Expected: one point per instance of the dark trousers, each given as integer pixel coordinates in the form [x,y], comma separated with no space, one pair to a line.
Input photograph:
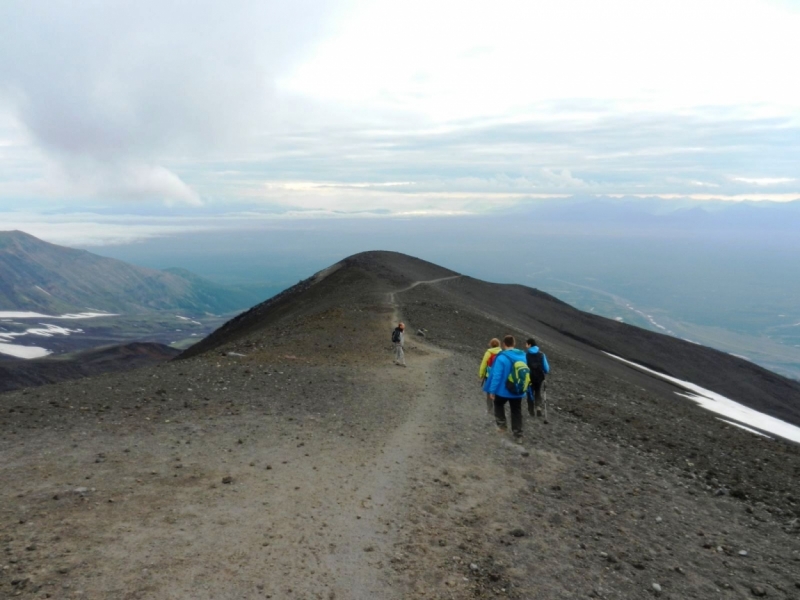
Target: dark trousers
[534,395]
[516,413]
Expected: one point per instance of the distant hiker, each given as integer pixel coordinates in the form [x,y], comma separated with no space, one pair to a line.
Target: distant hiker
[397,340]
[508,382]
[537,363]
[486,367]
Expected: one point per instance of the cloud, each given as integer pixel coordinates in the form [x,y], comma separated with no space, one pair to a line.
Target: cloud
[91,229]
[372,107]
[763,181]
[122,87]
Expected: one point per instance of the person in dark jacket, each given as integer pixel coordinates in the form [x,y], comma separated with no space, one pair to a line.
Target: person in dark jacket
[398,337]
[496,387]
[537,363]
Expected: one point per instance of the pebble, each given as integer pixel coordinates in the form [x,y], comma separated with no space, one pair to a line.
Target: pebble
[742,552]
[758,591]
[659,519]
[518,532]
[656,588]
[473,567]
[227,479]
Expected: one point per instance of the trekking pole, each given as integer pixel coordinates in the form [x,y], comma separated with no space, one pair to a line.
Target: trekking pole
[544,400]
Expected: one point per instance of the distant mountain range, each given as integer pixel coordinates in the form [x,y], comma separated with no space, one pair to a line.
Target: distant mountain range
[42,277]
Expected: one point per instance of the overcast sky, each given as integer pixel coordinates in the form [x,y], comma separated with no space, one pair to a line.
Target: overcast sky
[190,112]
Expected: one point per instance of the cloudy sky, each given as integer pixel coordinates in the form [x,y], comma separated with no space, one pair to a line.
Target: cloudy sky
[173,115]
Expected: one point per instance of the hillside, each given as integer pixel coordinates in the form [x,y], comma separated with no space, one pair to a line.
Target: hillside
[287,457]
[42,277]
[523,309]
[17,374]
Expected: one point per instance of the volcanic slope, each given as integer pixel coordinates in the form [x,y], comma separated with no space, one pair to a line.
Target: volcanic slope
[17,374]
[288,458]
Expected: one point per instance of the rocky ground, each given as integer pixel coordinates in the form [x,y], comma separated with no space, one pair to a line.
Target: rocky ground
[295,461]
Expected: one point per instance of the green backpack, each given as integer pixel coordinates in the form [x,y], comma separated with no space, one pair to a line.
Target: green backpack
[519,380]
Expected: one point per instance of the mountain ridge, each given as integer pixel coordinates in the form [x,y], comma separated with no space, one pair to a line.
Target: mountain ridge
[38,276]
[530,310]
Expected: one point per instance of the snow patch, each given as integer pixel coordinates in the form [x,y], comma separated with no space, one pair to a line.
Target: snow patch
[33,315]
[43,290]
[47,330]
[724,406]
[23,351]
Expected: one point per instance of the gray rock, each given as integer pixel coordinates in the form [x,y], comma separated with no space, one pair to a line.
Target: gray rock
[656,588]
[758,591]
[518,532]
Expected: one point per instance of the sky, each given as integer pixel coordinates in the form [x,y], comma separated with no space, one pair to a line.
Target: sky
[127,120]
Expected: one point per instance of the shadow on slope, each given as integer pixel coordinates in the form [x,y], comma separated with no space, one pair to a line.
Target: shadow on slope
[17,374]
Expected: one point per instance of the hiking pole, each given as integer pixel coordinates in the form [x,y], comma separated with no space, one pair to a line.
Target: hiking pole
[544,400]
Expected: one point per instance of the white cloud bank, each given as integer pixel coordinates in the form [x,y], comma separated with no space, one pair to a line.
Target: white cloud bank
[207,104]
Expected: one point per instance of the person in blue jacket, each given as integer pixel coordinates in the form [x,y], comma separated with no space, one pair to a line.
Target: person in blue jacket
[496,387]
[537,363]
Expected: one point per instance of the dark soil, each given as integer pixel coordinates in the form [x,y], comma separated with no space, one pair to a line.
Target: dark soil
[18,374]
[293,460]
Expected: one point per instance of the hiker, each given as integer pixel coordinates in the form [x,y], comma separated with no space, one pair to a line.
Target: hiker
[508,382]
[486,367]
[537,363]
[397,340]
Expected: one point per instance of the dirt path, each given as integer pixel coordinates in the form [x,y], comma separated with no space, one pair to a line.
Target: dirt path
[392,297]
[384,486]
[199,485]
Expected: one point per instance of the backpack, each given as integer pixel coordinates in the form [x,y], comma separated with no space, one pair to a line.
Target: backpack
[519,380]
[536,365]
[396,336]
[489,363]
